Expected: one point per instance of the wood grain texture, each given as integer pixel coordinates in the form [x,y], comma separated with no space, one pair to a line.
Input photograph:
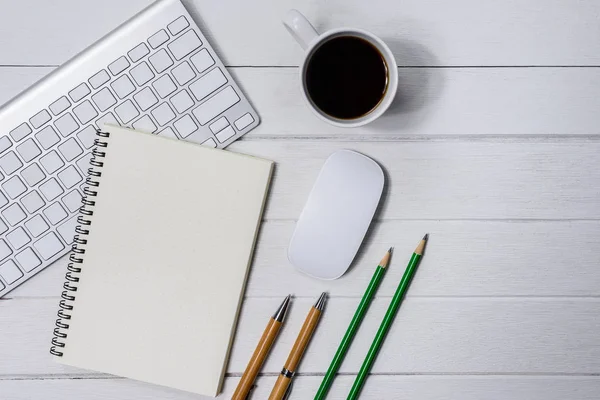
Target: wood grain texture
[467,258]
[429,336]
[449,180]
[420,32]
[430,102]
[377,387]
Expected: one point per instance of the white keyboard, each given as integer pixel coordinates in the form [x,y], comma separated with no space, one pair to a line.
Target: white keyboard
[155,73]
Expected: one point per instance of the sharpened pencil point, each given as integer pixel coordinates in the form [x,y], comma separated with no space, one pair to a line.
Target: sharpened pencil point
[391,250]
[426,236]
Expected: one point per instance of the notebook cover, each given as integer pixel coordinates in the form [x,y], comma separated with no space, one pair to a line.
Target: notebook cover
[166,260]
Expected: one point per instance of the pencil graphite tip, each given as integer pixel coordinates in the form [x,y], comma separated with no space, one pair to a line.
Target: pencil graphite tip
[320,304]
[426,237]
[279,315]
[391,250]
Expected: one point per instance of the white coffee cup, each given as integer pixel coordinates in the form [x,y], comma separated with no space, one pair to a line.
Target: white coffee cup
[310,40]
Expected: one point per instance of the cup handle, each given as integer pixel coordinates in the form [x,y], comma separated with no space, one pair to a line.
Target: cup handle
[299,27]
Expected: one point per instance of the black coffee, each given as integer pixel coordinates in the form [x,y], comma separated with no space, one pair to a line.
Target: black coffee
[346,77]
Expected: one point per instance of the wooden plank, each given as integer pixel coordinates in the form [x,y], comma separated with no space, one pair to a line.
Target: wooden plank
[449,180]
[420,32]
[443,101]
[377,387]
[464,258]
[430,336]
[430,102]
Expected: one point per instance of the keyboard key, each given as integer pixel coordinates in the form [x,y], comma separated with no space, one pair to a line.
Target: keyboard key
[67,229]
[185,44]
[104,99]
[51,162]
[70,149]
[145,124]
[118,66]
[33,174]
[160,60]
[145,98]
[72,201]
[87,136]
[185,126]
[5,251]
[123,86]
[142,74]
[168,132]
[14,187]
[69,177]
[209,143]
[32,201]
[5,144]
[48,246]
[178,25]
[85,112]
[40,119]
[28,150]
[243,121]
[66,124]
[47,137]
[216,105]
[79,92]
[20,132]
[126,111]
[182,101]
[138,52]
[55,213]
[208,84]
[51,189]
[36,226]
[28,260]
[106,119]
[202,60]
[3,200]
[18,238]
[13,214]
[3,226]
[183,73]
[225,134]
[158,38]
[10,272]
[10,163]
[219,125]
[99,79]
[60,105]
[84,163]
[164,86]
[163,114]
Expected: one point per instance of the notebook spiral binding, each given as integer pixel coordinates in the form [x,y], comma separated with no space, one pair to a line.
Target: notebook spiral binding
[79,241]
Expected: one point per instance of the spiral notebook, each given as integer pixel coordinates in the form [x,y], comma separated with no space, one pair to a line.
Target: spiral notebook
[158,269]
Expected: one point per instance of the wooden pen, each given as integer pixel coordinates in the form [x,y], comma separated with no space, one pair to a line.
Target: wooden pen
[260,353]
[284,381]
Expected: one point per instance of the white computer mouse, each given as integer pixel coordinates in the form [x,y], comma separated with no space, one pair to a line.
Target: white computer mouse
[337,215]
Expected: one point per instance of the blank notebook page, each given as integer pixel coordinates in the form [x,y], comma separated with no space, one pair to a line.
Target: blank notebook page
[168,252]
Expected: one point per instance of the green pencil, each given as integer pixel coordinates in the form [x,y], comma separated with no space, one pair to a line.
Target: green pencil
[387,320]
[353,327]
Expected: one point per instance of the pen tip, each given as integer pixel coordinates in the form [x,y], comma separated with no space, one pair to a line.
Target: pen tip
[281,311]
[320,304]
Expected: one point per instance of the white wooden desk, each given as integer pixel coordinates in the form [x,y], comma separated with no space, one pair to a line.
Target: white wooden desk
[492,147]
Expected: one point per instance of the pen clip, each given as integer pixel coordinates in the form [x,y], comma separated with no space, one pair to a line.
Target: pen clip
[288,391]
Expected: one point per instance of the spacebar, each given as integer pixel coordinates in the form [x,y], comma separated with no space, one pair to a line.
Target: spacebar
[216,105]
